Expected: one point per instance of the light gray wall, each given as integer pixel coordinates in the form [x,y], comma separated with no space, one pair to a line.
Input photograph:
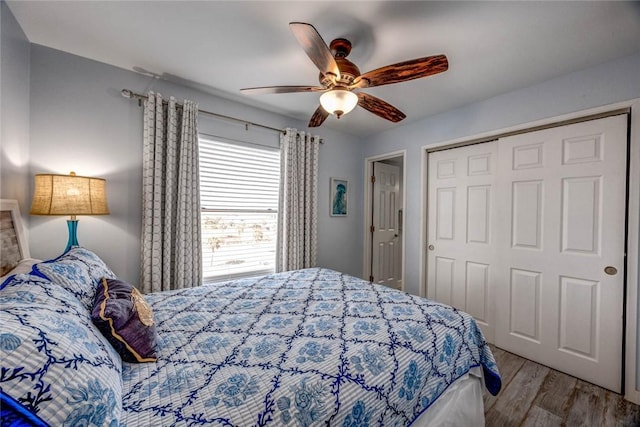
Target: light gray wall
[14,111]
[81,123]
[605,84]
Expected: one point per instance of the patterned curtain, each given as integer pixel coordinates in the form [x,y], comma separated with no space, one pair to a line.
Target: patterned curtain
[297,209]
[171,240]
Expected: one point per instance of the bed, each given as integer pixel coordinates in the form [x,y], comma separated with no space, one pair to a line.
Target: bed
[300,348]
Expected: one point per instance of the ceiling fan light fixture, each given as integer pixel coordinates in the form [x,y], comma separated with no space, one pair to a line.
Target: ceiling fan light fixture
[338,101]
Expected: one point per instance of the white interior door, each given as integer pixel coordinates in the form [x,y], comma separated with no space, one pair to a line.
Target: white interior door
[563,207]
[386,250]
[461,247]
[548,284]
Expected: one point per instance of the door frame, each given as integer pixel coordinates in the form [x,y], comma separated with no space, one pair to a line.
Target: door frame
[368,206]
[631,321]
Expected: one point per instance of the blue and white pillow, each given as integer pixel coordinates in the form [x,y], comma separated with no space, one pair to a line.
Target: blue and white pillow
[79,271]
[55,363]
[28,289]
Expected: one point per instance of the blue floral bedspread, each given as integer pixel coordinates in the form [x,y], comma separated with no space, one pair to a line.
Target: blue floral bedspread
[307,347]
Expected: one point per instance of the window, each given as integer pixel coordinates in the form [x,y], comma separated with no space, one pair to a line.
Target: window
[239,186]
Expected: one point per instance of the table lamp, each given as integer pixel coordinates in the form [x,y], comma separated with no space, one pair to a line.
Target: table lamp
[69,195]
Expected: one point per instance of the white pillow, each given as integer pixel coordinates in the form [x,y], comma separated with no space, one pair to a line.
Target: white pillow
[24,266]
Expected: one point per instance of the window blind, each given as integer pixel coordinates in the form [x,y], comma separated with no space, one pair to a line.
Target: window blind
[239,186]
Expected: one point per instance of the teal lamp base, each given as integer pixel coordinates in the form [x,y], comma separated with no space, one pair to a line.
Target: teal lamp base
[72,225]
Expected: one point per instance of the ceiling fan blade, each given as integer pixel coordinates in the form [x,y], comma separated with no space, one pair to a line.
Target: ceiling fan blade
[380,108]
[319,116]
[315,47]
[281,89]
[403,71]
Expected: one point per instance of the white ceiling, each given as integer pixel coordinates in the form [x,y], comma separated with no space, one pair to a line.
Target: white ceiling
[220,47]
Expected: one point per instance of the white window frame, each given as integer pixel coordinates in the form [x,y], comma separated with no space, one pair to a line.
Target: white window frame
[272,210]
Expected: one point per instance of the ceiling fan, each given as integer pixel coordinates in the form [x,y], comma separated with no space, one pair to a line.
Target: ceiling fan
[339,77]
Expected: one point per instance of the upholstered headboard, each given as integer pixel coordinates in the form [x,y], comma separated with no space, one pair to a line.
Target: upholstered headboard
[13,242]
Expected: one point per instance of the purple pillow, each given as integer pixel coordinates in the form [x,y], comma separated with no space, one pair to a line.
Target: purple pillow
[126,320]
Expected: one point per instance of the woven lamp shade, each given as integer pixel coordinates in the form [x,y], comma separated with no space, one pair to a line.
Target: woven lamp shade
[69,195]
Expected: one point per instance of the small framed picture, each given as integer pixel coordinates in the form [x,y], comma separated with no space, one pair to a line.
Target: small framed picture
[339,193]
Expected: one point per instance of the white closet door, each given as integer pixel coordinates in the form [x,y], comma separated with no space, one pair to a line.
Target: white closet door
[527,235]
[559,299]
[461,229]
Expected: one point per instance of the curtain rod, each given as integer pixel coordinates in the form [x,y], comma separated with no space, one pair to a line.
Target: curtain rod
[131,94]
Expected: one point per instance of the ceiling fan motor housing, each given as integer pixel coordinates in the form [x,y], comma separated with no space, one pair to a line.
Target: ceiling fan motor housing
[340,48]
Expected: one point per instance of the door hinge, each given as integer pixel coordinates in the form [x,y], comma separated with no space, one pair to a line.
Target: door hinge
[372,229]
[371,278]
[373,178]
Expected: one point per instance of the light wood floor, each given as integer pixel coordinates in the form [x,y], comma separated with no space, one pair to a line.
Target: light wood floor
[534,395]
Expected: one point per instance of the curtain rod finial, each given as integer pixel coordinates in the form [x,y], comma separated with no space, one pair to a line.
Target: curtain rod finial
[126,93]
